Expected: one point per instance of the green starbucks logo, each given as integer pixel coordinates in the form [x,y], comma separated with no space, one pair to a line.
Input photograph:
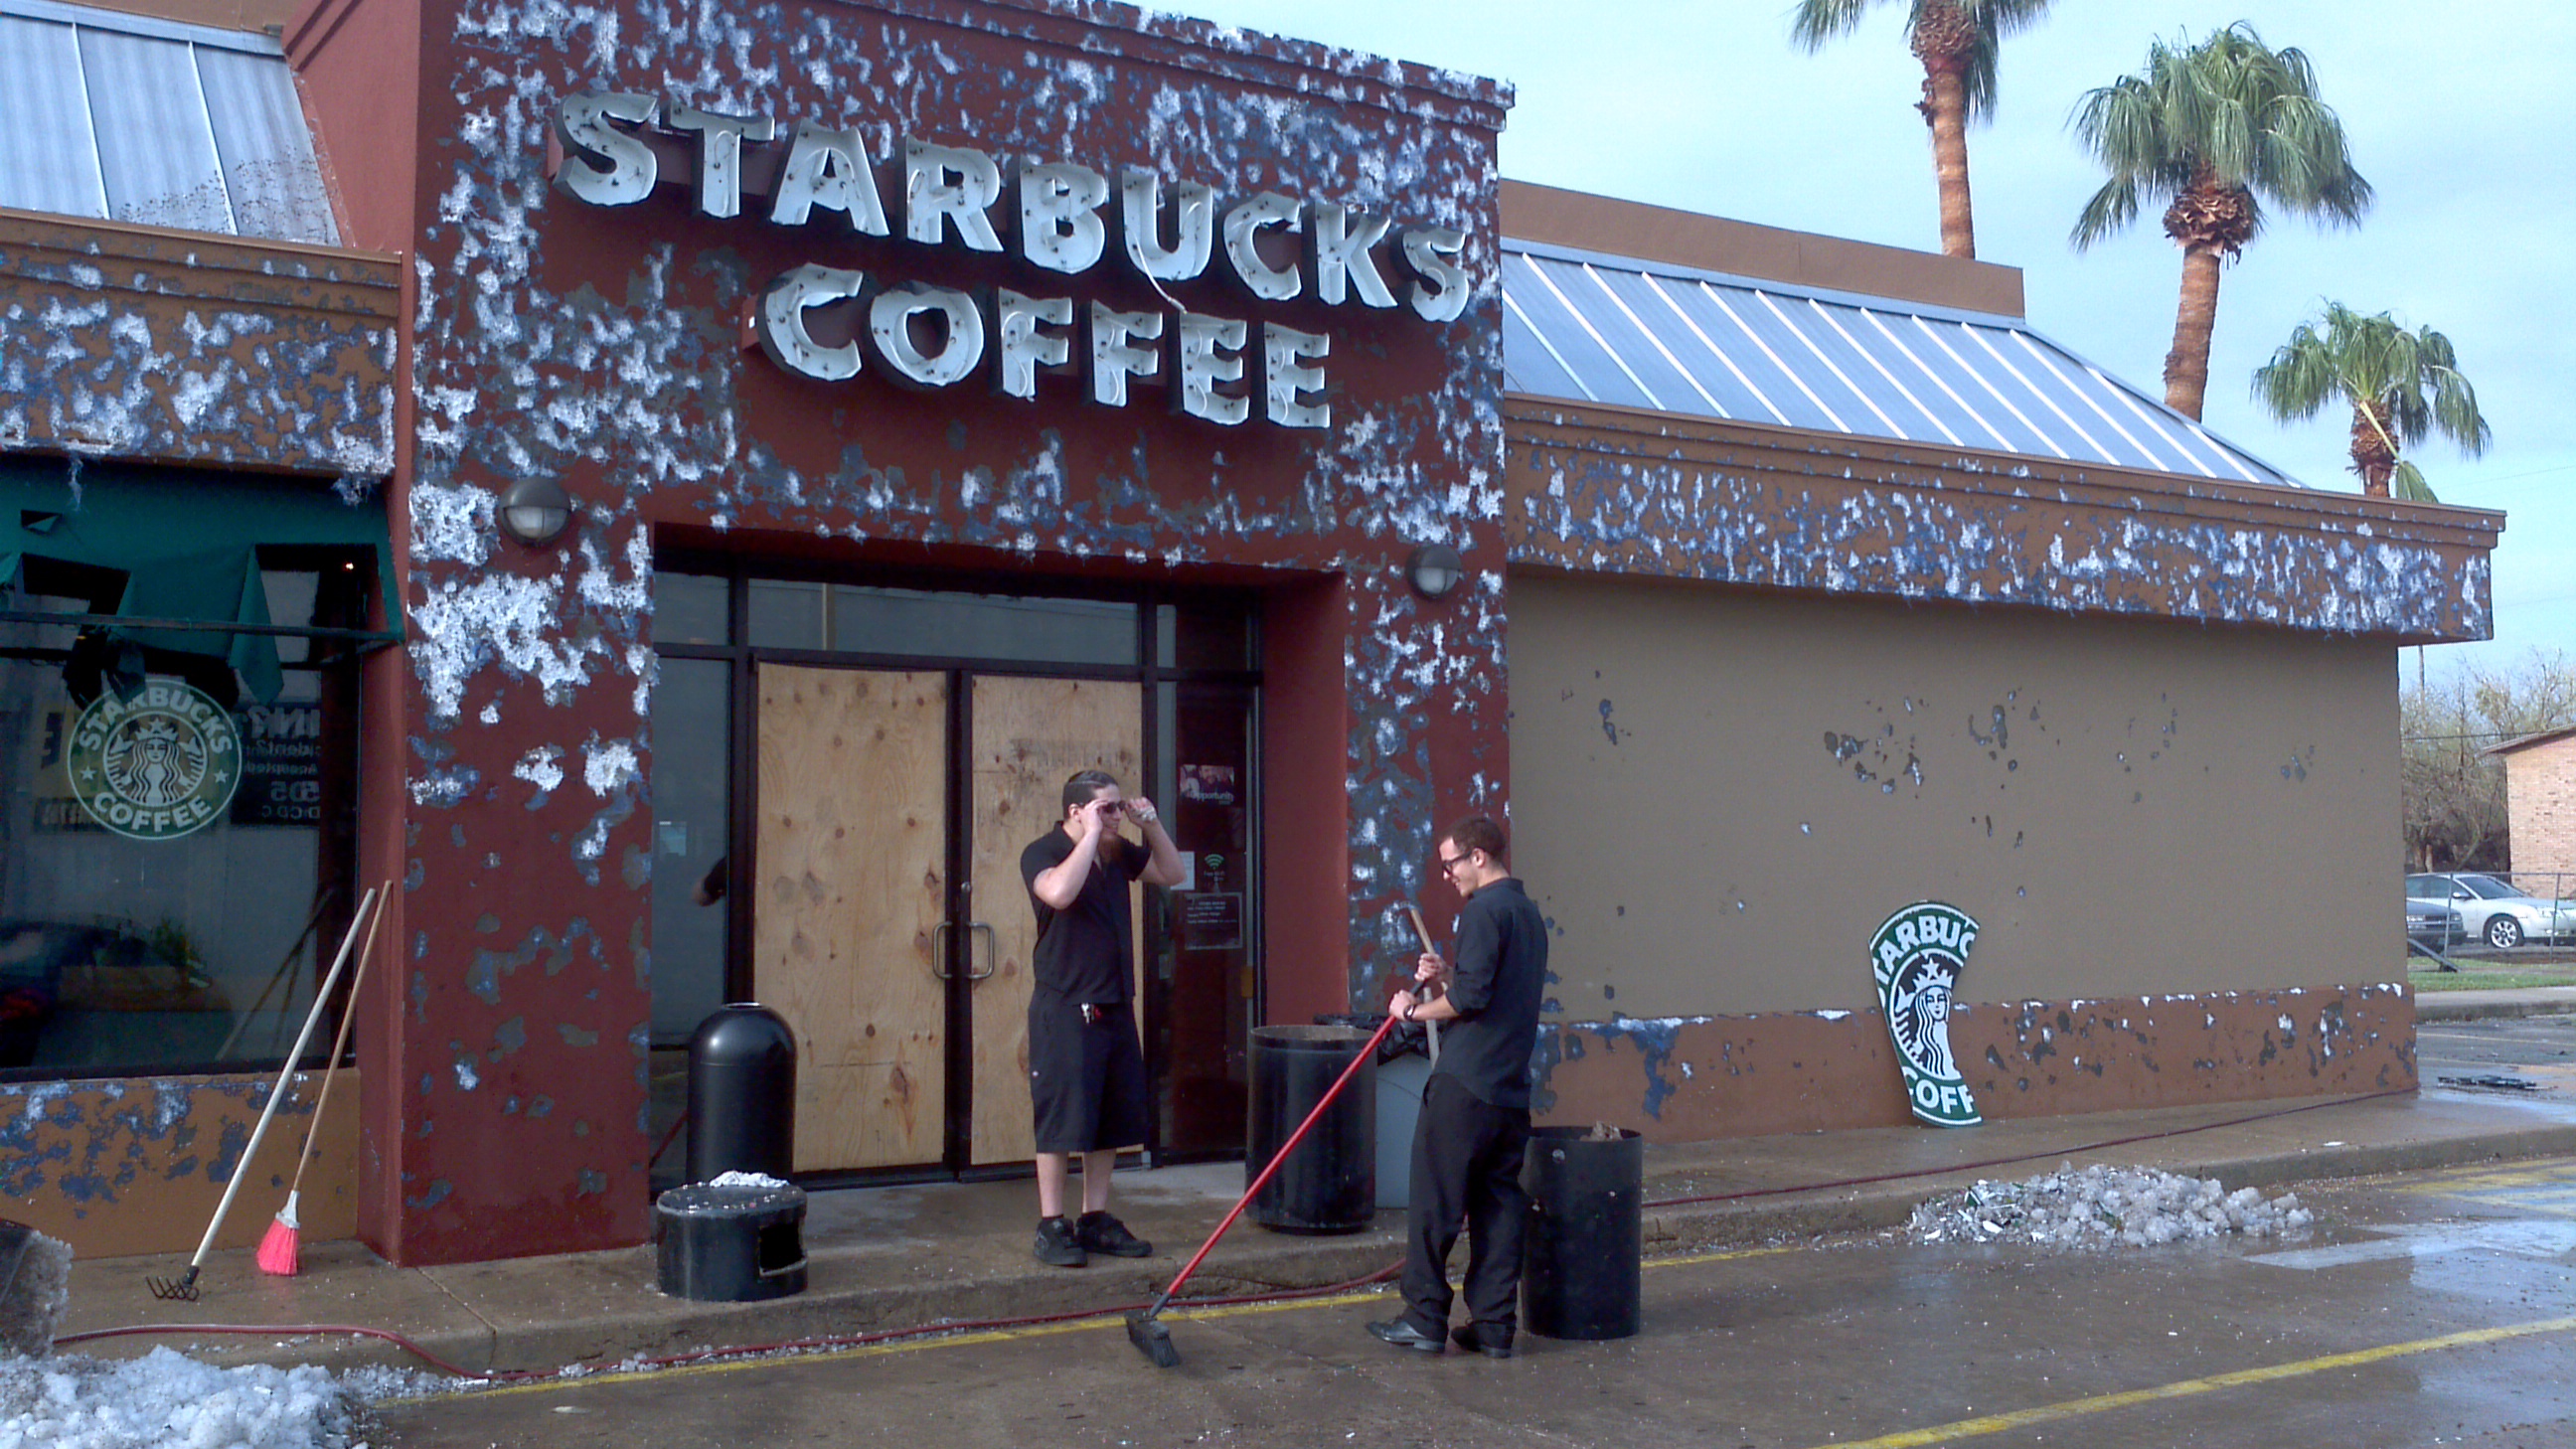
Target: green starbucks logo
[1917,957]
[156,764]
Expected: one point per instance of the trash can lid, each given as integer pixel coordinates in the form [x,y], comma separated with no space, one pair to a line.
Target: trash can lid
[735,1192]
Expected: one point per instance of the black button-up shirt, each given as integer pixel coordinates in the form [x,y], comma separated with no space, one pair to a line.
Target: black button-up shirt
[1501,973]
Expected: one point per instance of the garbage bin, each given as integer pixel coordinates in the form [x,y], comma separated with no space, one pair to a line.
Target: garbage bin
[731,1242]
[1581,1255]
[1329,1184]
[1403,1071]
[742,1093]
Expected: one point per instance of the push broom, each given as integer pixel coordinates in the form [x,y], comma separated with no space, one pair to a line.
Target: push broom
[281,1252]
[1145,1328]
[185,1288]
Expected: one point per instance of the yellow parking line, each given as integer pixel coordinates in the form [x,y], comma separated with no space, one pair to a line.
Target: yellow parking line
[2101,1403]
[992,1335]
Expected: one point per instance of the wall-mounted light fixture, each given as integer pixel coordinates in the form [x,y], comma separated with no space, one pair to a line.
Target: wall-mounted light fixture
[1435,569]
[535,511]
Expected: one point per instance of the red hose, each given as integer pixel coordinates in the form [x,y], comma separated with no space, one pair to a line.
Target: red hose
[859,1340]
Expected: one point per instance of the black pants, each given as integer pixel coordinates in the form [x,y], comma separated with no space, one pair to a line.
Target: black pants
[1466,1171]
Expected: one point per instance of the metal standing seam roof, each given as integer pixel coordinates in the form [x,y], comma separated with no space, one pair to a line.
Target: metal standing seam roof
[128,118]
[1586,327]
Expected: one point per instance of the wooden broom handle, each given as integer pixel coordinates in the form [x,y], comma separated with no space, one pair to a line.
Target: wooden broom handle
[340,1040]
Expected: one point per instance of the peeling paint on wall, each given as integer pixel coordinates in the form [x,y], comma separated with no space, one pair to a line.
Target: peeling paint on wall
[1692,1078]
[170,347]
[1596,491]
[136,1166]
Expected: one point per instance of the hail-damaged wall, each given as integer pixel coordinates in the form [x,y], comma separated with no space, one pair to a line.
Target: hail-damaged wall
[1732,764]
[605,349]
[143,343]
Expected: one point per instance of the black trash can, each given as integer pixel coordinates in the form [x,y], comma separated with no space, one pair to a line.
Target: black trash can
[728,1243]
[1329,1184]
[1582,1254]
[742,1093]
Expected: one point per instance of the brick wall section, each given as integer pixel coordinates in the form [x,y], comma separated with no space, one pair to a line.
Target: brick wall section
[2540,788]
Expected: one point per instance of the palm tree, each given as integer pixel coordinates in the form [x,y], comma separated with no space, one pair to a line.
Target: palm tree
[2402,385]
[2209,128]
[1956,40]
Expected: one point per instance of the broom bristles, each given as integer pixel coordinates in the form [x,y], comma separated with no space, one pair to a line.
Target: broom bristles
[278,1252]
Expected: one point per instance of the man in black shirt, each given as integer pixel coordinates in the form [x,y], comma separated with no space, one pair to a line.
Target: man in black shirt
[1086,1072]
[1475,1120]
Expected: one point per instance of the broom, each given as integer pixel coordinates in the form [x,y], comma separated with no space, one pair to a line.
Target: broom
[184,1289]
[281,1251]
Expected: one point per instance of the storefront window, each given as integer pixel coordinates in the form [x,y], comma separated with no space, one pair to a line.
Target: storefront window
[174,846]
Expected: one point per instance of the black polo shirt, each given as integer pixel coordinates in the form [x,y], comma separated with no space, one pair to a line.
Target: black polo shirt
[1087,951]
[1501,959]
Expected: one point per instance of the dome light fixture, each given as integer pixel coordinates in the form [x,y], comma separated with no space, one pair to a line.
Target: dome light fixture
[1434,570]
[535,511]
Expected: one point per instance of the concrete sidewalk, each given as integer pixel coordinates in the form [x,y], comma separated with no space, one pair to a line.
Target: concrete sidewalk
[897,1258]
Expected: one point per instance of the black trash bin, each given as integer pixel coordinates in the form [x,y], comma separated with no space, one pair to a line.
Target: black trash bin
[1329,1184]
[1581,1256]
[731,1243]
[742,1093]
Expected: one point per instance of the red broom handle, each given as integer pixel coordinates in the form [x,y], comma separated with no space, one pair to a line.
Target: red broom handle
[1272,1170]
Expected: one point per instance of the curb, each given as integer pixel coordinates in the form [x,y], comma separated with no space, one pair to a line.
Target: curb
[2433,1008]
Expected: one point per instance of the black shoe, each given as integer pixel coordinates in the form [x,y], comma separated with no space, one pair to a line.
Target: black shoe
[1059,1244]
[1491,1343]
[1100,1233]
[1397,1333]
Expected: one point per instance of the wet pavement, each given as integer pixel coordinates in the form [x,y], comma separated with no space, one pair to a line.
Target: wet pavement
[2427,1308]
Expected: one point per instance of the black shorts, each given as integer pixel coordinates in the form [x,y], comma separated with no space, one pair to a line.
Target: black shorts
[1086,1080]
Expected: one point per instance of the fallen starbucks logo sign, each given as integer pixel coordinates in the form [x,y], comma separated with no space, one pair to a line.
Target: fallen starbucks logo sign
[1917,957]
[156,764]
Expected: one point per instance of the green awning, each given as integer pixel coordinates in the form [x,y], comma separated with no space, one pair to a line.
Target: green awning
[187,542]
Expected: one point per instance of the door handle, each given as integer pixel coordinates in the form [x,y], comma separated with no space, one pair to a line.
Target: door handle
[939,952]
[992,951]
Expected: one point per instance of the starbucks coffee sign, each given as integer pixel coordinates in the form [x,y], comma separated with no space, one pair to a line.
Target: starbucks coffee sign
[1917,957]
[156,764]
[1056,221]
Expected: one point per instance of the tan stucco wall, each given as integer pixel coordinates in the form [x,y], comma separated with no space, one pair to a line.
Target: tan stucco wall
[1718,795]
[2540,791]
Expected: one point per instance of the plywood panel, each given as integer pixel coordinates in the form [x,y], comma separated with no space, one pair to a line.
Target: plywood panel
[1029,735]
[849,897]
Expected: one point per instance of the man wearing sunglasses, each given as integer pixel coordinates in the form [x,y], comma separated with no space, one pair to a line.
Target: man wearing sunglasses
[1475,1118]
[1087,1086]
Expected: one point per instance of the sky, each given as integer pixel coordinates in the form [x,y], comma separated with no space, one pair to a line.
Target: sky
[2461,116]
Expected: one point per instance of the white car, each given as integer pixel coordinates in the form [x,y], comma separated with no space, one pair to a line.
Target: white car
[2495,912]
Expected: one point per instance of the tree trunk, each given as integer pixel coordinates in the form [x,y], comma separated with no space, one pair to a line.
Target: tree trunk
[1949,117]
[2187,365]
[2373,457]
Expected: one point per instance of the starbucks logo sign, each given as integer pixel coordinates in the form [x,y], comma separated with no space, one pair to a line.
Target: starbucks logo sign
[1917,957]
[156,764]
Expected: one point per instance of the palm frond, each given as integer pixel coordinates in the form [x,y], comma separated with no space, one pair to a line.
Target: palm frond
[2408,483]
[1815,22]
[2112,207]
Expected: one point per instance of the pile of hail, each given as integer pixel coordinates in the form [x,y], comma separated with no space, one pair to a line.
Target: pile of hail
[2103,1207]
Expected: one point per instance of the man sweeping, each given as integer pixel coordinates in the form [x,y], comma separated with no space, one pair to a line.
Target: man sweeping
[1087,1087]
[1475,1119]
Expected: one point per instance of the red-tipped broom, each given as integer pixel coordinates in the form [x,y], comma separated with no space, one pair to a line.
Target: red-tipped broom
[281,1252]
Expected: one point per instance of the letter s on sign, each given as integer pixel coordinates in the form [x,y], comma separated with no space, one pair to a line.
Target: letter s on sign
[601,164]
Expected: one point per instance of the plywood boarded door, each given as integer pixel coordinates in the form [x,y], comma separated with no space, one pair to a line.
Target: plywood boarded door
[1030,734]
[850,894]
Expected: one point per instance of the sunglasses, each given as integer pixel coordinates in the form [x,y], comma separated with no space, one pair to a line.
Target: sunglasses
[1449,863]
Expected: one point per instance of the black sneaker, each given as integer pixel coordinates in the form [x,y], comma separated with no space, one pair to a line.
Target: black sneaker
[1059,1245]
[1102,1233]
